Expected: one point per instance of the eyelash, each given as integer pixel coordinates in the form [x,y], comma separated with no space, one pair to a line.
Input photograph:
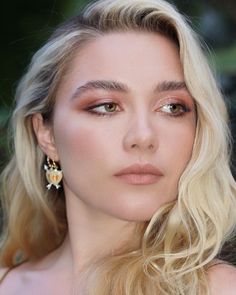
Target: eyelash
[184,109]
[91,109]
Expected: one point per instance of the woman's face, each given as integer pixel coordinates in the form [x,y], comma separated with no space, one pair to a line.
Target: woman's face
[122,102]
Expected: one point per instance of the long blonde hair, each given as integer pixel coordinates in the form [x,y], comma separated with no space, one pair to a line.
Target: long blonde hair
[183,237]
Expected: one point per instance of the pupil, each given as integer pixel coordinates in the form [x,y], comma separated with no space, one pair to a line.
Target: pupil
[110,107]
[174,108]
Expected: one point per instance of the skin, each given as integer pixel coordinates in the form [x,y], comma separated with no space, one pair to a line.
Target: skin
[100,146]
[149,124]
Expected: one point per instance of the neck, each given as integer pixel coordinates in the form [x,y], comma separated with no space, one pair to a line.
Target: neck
[93,235]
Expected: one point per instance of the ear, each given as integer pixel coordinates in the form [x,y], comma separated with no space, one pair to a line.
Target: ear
[44,134]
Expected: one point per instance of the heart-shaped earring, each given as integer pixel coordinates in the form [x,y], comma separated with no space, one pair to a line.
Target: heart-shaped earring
[53,175]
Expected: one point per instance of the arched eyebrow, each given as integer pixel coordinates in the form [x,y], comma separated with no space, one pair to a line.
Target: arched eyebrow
[110,85]
[170,86]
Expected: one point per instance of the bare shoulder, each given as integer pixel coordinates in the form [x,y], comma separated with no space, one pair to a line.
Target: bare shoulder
[35,278]
[222,279]
[10,280]
[23,278]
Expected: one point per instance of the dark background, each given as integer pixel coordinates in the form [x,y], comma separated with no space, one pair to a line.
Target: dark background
[25,25]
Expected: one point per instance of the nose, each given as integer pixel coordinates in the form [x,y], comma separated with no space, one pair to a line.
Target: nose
[141,136]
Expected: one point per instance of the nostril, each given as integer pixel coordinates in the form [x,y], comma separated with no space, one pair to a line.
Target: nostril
[151,146]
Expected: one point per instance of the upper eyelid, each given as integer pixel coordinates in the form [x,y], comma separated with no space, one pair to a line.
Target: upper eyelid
[184,99]
[102,104]
[92,107]
[116,87]
[174,102]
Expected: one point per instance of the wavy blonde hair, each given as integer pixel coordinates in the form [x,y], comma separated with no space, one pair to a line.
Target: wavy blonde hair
[182,238]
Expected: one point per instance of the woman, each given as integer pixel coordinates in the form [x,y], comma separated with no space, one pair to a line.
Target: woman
[120,179]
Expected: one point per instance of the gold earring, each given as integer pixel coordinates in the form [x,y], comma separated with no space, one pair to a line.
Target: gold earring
[53,175]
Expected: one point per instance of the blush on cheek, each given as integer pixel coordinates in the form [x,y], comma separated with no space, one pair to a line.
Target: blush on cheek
[78,142]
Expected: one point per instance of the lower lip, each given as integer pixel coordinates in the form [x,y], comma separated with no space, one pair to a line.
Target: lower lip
[139,179]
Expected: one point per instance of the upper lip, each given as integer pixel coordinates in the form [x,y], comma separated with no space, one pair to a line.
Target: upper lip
[140,169]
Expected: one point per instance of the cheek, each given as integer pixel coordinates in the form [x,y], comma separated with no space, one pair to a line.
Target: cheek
[185,143]
[78,142]
[175,144]
[83,151]
[179,146]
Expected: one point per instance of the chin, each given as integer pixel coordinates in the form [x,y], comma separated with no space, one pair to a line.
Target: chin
[135,214]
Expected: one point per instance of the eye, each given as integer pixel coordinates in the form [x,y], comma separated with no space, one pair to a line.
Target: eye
[110,107]
[104,109]
[175,109]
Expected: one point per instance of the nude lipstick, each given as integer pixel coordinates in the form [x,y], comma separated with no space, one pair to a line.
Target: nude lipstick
[140,174]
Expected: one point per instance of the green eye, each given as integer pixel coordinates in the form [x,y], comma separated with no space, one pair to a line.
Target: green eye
[104,109]
[110,107]
[174,109]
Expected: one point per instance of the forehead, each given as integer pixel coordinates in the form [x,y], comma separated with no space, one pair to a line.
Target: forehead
[135,58]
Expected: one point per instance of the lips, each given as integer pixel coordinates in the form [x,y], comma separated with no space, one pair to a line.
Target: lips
[140,174]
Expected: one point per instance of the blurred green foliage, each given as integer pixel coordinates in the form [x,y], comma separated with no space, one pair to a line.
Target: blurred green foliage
[225,59]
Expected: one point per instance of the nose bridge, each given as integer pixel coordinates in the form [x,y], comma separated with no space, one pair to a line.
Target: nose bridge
[142,122]
[141,133]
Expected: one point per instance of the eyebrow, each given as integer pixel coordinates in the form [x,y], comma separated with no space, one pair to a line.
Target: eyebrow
[110,85]
[170,86]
